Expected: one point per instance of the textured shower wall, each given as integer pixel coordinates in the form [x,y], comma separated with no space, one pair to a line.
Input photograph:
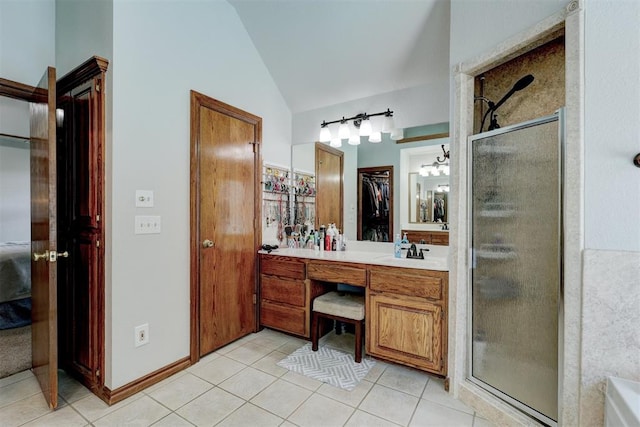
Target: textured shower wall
[541,98]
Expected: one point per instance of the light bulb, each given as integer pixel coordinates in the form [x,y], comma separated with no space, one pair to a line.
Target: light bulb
[375,137]
[424,171]
[365,127]
[325,134]
[336,142]
[435,171]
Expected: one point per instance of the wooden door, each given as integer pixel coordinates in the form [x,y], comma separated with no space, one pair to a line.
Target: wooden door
[329,186]
[44,333]
[80,221]
[225,212]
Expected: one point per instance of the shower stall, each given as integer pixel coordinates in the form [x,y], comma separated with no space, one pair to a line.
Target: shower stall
[515,220]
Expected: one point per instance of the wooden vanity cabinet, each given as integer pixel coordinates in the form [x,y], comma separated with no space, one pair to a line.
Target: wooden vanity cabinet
[406,319]
[286,295]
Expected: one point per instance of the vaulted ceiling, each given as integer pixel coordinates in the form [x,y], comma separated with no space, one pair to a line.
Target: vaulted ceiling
[325,52]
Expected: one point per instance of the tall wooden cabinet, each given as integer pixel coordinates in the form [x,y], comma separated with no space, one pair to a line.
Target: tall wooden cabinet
[81,147]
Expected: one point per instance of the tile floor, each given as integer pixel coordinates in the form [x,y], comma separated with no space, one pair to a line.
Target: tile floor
[241,385]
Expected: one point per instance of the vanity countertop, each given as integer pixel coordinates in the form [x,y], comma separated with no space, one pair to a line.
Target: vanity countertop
[435,259]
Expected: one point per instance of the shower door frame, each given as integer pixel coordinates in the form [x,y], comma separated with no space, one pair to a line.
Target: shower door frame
[559,117]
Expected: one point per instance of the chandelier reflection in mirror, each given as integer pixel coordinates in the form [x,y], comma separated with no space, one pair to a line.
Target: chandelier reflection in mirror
[361,126]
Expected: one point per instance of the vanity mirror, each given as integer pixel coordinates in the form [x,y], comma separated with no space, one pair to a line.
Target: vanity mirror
[419,147]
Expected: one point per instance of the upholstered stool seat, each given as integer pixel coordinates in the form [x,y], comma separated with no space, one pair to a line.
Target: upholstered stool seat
[343,307]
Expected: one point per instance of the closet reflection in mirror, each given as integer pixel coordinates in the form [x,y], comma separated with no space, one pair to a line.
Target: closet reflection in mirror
[428,197]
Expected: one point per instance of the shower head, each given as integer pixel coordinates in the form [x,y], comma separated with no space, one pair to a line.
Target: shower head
[520,84]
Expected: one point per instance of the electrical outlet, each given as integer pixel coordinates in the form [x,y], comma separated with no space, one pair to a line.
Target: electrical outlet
[141,335]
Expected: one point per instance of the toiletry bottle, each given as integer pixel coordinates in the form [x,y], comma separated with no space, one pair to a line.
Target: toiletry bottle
[397,251]
[404,239]
[321,238]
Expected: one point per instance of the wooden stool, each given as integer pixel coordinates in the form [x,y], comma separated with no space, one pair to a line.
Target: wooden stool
[346,308]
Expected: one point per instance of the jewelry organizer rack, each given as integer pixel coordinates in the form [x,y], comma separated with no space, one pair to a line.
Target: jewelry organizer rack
[276,198]
[304,190]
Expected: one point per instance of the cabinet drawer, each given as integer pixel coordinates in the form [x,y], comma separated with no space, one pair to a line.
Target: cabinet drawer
[289,291]
[417,283]
[284,318]
[336,273]
[283,267]
[440,239]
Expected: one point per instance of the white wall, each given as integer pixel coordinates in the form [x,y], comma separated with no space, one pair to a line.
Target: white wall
[15,201]
[162,50]
[26,49]
[612,124]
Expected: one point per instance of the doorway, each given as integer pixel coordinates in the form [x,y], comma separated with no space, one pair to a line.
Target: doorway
[225,231]
[375,204]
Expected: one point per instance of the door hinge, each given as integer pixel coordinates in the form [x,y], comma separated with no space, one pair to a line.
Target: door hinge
[97,218]
[98,373]
[441,363]
[255,146]
[97,243]
[255,299]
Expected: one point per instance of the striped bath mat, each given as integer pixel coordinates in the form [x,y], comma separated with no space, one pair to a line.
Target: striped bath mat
[328,365]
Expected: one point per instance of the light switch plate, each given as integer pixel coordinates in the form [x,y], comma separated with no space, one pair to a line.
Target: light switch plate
[146,224]
[144,198]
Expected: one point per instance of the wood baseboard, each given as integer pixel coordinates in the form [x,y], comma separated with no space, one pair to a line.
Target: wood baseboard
[121,393]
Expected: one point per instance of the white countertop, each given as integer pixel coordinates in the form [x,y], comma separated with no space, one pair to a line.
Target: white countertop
[436,259]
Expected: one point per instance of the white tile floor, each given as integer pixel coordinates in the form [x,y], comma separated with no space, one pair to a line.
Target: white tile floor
[241,385]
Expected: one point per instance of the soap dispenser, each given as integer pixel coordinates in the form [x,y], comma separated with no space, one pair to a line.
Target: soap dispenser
[397,247]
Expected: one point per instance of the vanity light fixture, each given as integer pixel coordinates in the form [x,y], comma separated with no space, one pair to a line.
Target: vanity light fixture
[434,169]
[363,127]
[443,188]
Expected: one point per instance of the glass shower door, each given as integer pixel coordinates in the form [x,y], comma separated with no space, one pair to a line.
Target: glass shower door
[515,198]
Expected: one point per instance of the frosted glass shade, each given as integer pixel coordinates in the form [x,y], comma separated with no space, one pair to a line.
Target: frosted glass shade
[354,139]
[388,124]
[375,137]
[365,128]
[343,131]
[325,134]
[336,142]
[397,134]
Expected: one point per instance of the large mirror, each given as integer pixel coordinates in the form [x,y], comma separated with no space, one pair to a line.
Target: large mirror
[404,157]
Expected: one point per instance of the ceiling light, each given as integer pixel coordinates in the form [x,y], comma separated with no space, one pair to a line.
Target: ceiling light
[387,123]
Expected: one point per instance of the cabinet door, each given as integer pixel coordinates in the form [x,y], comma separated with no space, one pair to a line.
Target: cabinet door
[406,330]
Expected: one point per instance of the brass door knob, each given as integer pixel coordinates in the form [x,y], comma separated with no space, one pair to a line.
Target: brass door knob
[207,244]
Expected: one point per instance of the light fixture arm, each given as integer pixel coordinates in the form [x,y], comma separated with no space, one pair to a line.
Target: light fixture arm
[358,118]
